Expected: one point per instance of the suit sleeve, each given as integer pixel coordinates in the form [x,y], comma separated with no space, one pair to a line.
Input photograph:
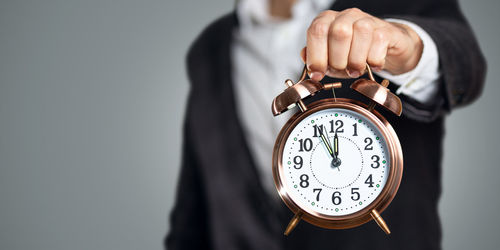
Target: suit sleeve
[188,225]
[190,218]
[461,61]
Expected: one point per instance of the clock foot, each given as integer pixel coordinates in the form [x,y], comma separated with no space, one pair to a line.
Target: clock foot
[293,223]
[380,222]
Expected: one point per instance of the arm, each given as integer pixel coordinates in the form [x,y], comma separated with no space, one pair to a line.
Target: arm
[421,83]
[461,63]
[188,220]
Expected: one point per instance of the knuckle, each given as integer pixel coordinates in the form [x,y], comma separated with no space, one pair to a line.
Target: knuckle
[341,31]
[379,35]
[327,13]
[364,25]
[353,10]
[318,29]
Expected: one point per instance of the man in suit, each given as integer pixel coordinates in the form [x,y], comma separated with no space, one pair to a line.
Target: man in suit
[225,197]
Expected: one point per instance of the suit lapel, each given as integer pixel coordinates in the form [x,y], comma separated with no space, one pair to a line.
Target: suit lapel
[238,204]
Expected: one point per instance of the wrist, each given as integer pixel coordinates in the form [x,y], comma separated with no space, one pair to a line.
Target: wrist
[409,55]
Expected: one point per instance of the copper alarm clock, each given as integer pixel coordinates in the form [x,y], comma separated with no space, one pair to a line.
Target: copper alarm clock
[337,163]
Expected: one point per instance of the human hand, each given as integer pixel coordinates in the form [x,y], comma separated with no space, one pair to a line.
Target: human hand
[339,44]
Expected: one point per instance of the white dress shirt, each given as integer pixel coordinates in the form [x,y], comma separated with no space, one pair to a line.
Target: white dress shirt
[265,52]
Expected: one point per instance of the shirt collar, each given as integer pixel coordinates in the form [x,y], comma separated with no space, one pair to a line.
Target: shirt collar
[256,12]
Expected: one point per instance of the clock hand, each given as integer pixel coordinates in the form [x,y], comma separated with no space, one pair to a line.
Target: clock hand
[336,161]
[336,144]
[326,142]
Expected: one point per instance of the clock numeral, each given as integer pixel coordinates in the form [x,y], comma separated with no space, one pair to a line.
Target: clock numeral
[304,181]
[298,162]
[336,198]
[318,130]
[355,195]
[376,160]
[368,142]
[355,125]
[319,192]
[369,181]
[306,144]
[339,124]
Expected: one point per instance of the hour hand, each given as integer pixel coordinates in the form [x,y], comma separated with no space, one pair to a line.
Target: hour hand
[326,142]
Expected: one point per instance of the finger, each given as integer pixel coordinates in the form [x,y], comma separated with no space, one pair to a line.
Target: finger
[303,55]
[336,73]
[329,71]
[317,46]
[339,38]
[360,45]
[378,49]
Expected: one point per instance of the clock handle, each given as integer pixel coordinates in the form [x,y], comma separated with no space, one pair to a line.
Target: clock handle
[380,222]
[293,223]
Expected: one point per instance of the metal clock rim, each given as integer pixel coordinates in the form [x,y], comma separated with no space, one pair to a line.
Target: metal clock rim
[383,199]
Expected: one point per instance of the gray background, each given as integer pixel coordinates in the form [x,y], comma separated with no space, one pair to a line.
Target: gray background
[92,96]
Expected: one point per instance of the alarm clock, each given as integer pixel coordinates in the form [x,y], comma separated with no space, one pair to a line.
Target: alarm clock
[337,163]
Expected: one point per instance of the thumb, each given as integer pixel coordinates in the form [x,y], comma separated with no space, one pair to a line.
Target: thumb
[303,55]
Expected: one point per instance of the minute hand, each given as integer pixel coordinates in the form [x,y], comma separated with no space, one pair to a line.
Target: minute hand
[336,145]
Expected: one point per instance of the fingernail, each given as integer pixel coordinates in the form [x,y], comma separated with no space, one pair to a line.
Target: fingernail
[316,76]
[353,74]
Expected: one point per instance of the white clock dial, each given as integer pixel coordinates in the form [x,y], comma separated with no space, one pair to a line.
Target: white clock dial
[335,162]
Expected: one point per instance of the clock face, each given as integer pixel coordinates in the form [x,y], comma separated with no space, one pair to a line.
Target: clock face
[335,162]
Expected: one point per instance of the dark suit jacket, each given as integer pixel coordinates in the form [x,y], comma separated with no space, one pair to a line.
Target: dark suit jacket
[221,203]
